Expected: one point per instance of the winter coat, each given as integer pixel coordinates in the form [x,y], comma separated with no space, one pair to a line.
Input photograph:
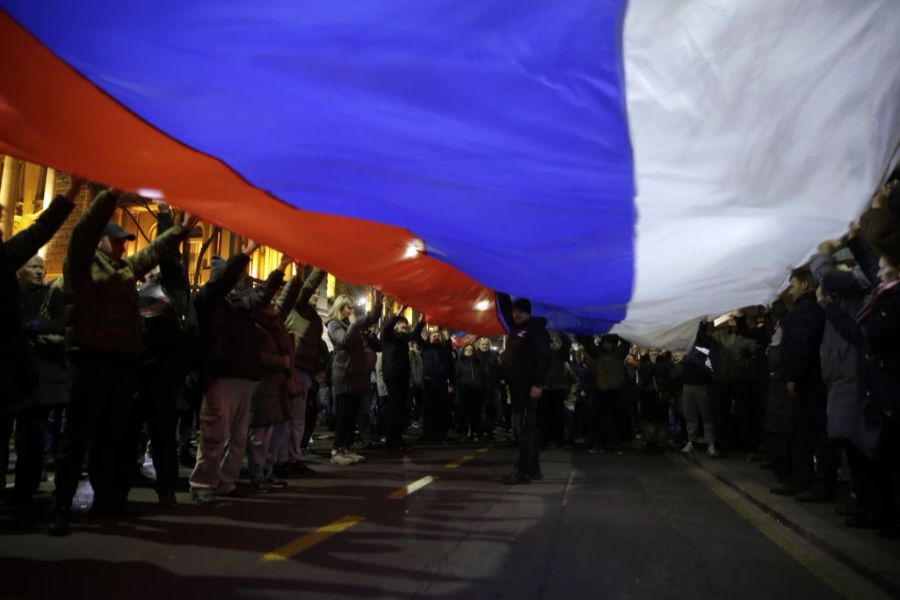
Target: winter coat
[734,356]
[271,403]
[469,372]
[526,360]
[352,361]
[801,339]
[228,341]
[302,319]
[101,300]
[878,331]
[18,371]
[437,362]
[609,367]
[841,361]
[557,379]
[780,405]
[491,365]
[416,375]
[395,350]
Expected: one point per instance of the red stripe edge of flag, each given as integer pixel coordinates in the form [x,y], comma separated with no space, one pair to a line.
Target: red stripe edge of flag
[51,115]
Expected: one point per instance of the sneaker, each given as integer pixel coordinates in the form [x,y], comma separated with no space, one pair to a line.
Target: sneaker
[343,459]
[276,483]
[58,525]
[260,486]
[234,492]
[203,497]
[711,451]
[689,448]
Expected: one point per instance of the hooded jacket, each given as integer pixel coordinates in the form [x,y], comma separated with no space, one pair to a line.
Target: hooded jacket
[395,350]
[526,359]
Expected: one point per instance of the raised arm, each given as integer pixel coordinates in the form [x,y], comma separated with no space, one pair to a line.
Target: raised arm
[224,281]
[164,245]
[88,231]
[25,244]
[171,273]
[504,305]
[287,299]
[267,291]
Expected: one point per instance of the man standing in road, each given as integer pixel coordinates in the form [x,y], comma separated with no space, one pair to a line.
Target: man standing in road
[524,365]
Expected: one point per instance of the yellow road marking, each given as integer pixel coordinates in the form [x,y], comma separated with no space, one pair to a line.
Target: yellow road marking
[806,555]
[460,462]
[311,539]
[413,487]
[484,449]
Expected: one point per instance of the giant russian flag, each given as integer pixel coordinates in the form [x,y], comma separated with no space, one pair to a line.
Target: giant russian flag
[628,166]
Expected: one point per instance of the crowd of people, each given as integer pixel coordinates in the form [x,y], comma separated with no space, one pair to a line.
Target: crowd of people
[232,378]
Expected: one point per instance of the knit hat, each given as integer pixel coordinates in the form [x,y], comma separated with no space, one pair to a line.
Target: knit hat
[522,305]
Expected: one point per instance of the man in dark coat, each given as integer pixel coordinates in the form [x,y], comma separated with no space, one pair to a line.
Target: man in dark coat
[395,339]
[815,462]
[524,365]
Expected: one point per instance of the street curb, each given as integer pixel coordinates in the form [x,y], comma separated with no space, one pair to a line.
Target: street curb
[860,569]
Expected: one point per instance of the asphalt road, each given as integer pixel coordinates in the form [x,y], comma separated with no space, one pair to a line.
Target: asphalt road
[598,526]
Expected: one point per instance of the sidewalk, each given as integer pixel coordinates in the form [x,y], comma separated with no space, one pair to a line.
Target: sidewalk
[862,550]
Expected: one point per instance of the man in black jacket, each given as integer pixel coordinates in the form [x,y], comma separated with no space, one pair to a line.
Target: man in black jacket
[815,463]
[395,339]
[229,343]
[524,365]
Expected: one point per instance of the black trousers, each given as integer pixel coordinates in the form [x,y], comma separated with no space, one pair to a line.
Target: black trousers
[31,428]
[345,420]
[435,410]
[525,408]
[397,410]
[470,406]
[814,456]
[550,417]
[100,418]
[312,412]
[158,387]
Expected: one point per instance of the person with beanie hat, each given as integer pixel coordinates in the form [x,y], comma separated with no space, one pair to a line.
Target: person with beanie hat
[524,365]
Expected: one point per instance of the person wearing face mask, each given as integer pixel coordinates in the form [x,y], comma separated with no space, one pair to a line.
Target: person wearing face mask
[103,337]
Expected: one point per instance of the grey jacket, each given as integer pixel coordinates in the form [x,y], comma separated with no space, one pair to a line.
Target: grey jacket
[841,361]
[351,371]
